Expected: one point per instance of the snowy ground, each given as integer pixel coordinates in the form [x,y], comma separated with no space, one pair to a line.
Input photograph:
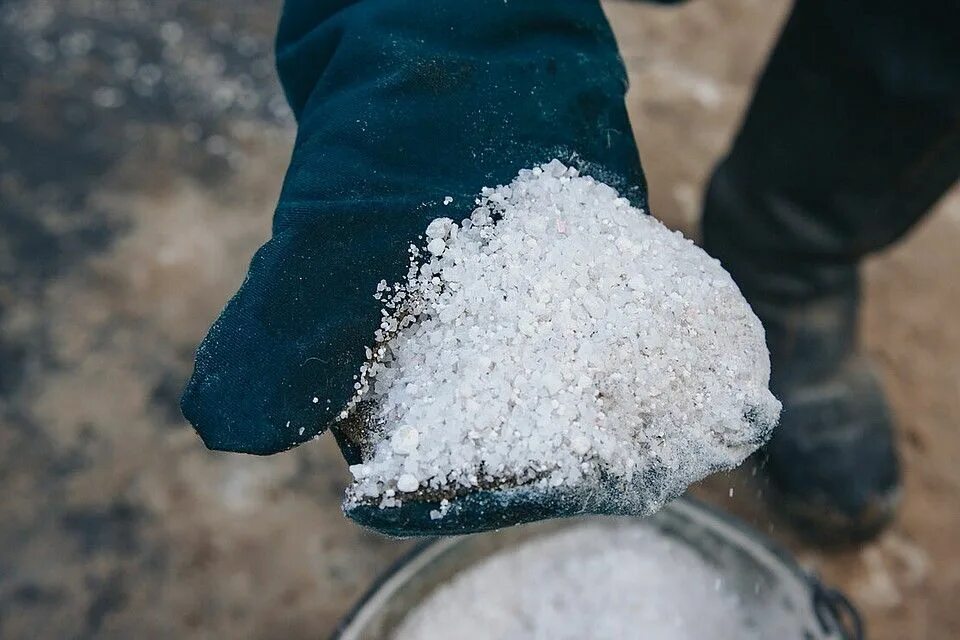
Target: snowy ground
[141,148]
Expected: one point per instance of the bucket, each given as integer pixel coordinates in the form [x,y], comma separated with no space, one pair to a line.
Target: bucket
[780,600]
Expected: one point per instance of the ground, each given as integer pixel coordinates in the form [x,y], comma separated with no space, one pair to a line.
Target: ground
[142,145]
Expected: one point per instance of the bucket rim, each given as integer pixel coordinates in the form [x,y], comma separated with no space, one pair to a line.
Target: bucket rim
[831,606]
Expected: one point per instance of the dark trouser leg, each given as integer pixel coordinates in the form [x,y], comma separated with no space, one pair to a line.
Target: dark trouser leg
[848,141]
[854,132]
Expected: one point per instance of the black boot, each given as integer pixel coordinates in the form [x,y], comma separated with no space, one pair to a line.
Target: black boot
[832,463]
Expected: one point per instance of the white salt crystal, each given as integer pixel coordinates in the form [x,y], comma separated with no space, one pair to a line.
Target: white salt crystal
[439,228]
[612,348]
[405,440]
[580,444]
[358,470]
[553,382]
[407,482]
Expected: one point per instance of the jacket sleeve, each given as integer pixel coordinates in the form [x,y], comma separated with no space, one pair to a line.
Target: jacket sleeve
[400,104]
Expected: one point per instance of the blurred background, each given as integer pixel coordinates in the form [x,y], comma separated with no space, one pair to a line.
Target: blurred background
[142,145]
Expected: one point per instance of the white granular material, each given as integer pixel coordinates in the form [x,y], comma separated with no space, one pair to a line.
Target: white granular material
[593,581]
[557,334]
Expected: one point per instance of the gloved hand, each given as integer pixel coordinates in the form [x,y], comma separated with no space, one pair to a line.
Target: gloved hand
[400,103]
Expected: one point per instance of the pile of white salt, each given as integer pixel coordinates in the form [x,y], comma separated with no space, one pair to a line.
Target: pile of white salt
[556,334]
[593,581]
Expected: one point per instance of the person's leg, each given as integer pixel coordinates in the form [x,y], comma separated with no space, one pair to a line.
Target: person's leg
[853,133]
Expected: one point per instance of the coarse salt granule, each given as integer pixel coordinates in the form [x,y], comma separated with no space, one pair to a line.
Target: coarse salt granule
[557,334]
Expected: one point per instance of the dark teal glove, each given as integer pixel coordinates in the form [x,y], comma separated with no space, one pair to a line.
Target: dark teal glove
[400,103]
